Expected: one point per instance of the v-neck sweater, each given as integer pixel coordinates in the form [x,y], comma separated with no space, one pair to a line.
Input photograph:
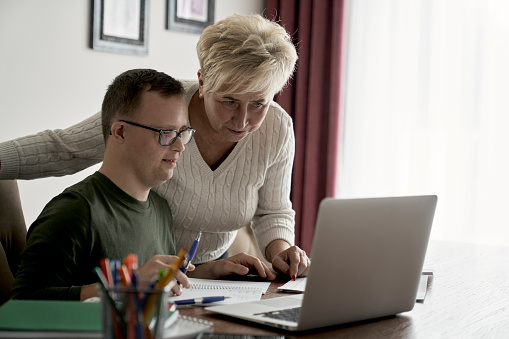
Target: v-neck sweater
[251,186]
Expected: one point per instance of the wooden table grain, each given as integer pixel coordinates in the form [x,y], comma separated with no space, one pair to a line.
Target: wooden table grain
[467,297]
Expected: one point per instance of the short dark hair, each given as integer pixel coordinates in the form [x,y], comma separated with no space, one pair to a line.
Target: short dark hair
[123,96]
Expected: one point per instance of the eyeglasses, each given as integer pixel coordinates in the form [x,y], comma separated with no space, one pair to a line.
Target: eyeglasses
[168,136]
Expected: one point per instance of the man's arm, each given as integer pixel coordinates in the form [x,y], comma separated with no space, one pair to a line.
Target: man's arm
[89,291]
[56,261]
[53,153]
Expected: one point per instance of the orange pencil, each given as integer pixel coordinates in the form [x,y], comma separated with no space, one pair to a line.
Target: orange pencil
[161,284]
[131,262]
[172,270]
[124,275]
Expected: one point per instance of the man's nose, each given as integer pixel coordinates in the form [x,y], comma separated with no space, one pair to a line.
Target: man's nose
[178,145]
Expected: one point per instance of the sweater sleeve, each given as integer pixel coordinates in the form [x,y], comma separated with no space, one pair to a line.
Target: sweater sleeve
[53,264]
[53,153]
[275,218]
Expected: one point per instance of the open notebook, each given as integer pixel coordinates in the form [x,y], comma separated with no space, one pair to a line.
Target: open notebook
[235,291]
[367,257]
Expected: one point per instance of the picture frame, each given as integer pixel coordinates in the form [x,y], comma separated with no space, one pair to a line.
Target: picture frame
[191,16]
[120,26]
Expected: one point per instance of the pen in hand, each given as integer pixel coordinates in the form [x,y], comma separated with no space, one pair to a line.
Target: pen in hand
[161,284]
[192,252]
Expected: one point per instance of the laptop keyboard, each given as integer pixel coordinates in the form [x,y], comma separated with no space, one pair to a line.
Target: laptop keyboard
[289,314]
[237,336]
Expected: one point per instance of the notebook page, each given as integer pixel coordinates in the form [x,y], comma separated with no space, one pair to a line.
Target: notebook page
[299,285]
[236,291]
[223,284]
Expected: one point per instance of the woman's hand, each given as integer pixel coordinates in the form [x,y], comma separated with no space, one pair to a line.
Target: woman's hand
[240,264]
[293,261]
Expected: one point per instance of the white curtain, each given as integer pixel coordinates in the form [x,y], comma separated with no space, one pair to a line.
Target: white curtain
[425,110]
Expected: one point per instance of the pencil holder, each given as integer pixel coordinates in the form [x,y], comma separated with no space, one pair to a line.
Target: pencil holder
[133,313]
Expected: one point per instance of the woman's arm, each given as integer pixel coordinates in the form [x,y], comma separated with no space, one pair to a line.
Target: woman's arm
[274,218]
[53,153]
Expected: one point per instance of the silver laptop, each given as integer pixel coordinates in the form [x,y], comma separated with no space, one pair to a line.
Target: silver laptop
[367,257]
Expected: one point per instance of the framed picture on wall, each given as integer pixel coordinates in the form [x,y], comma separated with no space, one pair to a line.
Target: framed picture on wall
[190,16]
[120,26]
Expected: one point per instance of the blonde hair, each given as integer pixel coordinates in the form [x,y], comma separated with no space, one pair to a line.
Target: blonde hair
[245,53]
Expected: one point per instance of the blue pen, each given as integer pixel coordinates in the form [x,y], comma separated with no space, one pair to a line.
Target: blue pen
[137,310]
[200,301]
[191,253]
[115,264]
[147,295]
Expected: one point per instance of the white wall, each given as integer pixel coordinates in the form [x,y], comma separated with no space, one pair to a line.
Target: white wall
[50,78]
[427,113]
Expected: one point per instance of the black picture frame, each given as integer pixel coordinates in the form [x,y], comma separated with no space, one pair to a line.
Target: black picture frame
[191,16]
[120,26]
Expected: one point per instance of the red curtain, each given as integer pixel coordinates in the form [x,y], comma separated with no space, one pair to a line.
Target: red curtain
[313,101]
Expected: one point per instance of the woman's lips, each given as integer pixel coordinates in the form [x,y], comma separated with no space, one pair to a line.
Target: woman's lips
[237,132]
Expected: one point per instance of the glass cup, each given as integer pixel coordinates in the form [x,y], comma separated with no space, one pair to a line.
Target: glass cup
[133,313]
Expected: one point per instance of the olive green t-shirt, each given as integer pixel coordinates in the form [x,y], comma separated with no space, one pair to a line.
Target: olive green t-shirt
[91,220]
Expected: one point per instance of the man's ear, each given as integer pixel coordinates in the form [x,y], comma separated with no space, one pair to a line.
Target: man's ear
[117,131]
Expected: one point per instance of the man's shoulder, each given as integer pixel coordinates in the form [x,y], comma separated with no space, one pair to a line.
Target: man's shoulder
[76,196]
[85,187]
[69,208]
[158,200]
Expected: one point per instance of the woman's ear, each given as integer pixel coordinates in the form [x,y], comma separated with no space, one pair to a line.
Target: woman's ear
[200,81]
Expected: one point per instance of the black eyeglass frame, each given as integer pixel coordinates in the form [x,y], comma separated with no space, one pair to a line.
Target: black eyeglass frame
[162,131]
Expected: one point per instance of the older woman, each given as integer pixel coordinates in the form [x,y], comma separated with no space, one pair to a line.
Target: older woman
[237,170]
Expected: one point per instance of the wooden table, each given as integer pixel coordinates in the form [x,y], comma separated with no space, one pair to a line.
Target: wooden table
[467,297]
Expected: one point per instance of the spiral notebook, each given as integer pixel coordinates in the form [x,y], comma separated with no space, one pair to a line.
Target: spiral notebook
[236,291]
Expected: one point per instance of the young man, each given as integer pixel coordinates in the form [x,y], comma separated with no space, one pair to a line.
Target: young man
[113,212]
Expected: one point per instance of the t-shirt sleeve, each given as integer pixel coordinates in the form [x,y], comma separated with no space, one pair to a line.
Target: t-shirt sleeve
[57,244]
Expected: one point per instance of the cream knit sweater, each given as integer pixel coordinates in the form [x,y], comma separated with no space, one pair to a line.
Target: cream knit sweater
[252,185]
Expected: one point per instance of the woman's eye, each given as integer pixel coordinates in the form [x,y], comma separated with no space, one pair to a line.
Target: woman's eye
[258,106]
[230,103]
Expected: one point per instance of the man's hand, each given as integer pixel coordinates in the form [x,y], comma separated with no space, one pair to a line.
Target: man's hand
[149,272]
[88,291]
